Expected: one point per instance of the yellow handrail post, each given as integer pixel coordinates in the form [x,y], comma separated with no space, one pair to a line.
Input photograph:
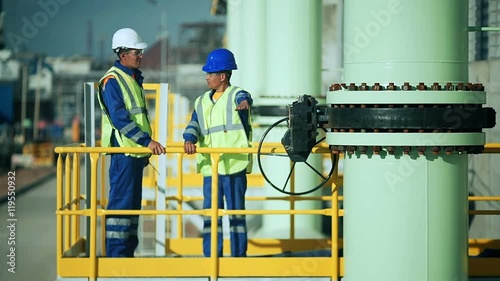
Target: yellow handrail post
[214,258]
[103,201]
[75,198]
[67,201]
[94,157]
[59,250]
[180,188]
[335,229]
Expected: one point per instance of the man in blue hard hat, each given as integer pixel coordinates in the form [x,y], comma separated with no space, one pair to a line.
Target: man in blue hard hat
[221,118]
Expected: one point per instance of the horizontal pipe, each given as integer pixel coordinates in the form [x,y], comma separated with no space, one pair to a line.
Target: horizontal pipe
[483,28]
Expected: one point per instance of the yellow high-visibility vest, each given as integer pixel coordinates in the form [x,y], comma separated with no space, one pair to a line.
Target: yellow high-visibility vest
[221,126]
[135,103]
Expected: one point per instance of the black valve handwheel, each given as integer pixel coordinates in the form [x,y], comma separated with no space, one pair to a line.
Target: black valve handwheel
[292,166]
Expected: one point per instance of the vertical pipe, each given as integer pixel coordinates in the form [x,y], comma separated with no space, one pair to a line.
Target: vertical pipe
[332,42]
[247,42]
[405,215]
[276,75]
[235,37]
[253,59]
[292,69]
[406,41]
[415,211]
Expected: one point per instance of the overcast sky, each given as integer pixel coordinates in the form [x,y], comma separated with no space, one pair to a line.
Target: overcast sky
[60,27]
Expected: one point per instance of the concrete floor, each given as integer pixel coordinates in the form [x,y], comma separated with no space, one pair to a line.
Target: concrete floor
[35,235]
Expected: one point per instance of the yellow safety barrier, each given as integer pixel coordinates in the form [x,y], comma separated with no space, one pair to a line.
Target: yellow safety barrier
[72,260]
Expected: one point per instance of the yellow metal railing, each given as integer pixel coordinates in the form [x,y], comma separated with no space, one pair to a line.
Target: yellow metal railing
[72,260]
[92,266]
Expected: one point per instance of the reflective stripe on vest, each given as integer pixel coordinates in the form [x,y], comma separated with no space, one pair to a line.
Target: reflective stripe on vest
[135,104]
[221,126]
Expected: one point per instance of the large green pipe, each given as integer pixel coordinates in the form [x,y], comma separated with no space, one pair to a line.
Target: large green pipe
[293,66]
[406,41]
[405,215]
[278,48]
[254,48]
[235,39]
[405,218]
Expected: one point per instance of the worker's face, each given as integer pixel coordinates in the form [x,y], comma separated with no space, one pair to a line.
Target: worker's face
[131,59]
[214,80]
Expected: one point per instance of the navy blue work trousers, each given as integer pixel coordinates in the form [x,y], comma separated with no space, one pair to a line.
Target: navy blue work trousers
[232,188]
[125,179]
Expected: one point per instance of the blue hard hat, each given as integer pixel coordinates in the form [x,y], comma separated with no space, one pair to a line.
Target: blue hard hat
[220,60]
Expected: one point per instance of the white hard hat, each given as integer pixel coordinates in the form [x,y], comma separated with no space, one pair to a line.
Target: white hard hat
[127,38]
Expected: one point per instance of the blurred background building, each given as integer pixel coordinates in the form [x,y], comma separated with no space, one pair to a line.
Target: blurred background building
[48,49]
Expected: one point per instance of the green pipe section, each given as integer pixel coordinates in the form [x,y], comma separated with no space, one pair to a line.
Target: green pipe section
[235,38]
[277,45]
[293,47]
[293,67]
[405,215]
[254,48]
[406,41]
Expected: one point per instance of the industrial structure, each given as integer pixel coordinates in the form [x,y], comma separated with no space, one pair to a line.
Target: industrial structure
[373,121]
[42,96]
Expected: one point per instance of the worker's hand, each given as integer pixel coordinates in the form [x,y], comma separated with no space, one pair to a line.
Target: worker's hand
[156,147]
[189,147]
[243,105]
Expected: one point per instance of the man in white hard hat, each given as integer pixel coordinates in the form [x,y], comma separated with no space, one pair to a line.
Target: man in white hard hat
[125,123]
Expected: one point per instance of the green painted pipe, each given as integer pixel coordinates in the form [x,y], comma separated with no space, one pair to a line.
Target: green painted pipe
[405,215]
[405,41]
[293,67]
